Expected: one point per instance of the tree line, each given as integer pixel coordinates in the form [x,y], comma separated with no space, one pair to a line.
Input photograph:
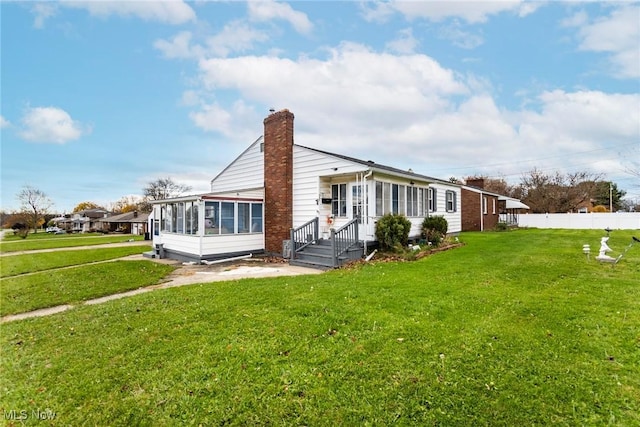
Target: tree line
[36,207]
[563,192]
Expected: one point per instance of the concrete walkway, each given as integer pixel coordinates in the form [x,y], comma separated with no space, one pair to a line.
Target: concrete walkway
[183,275]
[80,248]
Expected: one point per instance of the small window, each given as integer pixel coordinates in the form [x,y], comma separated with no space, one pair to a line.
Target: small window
[180,218]
[379,199]
[212,218]
[451,201]
[493,206]
[256,217]
[227,217]
[244,218]
[484,205]
[433,200]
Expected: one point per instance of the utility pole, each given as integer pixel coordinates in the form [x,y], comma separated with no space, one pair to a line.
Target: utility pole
[610,197]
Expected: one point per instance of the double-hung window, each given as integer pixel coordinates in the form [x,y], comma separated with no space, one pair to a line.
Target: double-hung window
[398,199]
[433,199]
[339,200]
[412,201]
[451,201]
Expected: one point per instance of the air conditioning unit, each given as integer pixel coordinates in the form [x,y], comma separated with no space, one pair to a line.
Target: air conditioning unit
[286,249]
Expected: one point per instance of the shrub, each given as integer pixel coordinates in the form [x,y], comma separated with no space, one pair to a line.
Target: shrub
[434,228]
[392,231]
[502,226]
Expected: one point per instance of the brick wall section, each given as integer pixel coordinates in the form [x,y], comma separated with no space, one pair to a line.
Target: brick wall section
[473,217]
[470,210]
[278,179]
[491,219]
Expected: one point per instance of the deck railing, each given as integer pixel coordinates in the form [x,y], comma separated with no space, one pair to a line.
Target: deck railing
[344,238]
[303,236]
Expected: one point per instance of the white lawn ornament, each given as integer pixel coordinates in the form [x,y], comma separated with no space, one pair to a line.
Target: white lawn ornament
[604,248]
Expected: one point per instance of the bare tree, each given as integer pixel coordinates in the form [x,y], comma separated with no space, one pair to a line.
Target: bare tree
[496,185]
[35,204]
[558,192]
[164,188]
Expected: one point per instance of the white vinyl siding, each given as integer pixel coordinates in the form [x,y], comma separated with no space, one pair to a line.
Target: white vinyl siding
[246,171]
[312,180]
[454,219]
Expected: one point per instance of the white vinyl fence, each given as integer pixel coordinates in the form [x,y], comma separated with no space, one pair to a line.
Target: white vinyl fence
[614,221]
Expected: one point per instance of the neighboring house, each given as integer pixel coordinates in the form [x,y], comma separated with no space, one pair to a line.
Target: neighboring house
[480,208]
[483,210]
[83,221]
[128,222]
[275,186]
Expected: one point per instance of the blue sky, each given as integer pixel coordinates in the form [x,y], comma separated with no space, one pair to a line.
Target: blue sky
[100,98]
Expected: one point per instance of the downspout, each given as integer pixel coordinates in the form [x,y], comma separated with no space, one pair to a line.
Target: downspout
[366,208]
[481,212]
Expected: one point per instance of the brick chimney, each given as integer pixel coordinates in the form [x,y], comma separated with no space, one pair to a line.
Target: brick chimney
[278,179]
[476,182]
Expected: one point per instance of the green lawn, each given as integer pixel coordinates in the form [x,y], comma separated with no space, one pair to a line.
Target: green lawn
[31,262]
[47,289]
[513,328]
[49,241]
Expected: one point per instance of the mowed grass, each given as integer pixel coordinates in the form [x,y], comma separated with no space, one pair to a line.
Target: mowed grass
[69,286]
[50,241]
[32,262]
[511,329]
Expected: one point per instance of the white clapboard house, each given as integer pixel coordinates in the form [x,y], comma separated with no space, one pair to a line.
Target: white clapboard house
[306,204]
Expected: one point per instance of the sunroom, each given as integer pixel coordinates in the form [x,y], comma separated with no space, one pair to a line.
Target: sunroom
[208,227]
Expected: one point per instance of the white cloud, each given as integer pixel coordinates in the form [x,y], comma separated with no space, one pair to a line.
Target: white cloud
[50,124]
[267,10]
[617,34]
[230,123]
[4,123]
[436,11]
[179,46]
[376,11]
[42,12]
[404,43]
[352,87]
[459,37]
[234,37]
[172,12]
[586,116]
[190,98]
[409,110]
[576,20]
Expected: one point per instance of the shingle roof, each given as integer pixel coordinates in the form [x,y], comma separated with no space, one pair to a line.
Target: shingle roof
[376,166]
[126,217]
